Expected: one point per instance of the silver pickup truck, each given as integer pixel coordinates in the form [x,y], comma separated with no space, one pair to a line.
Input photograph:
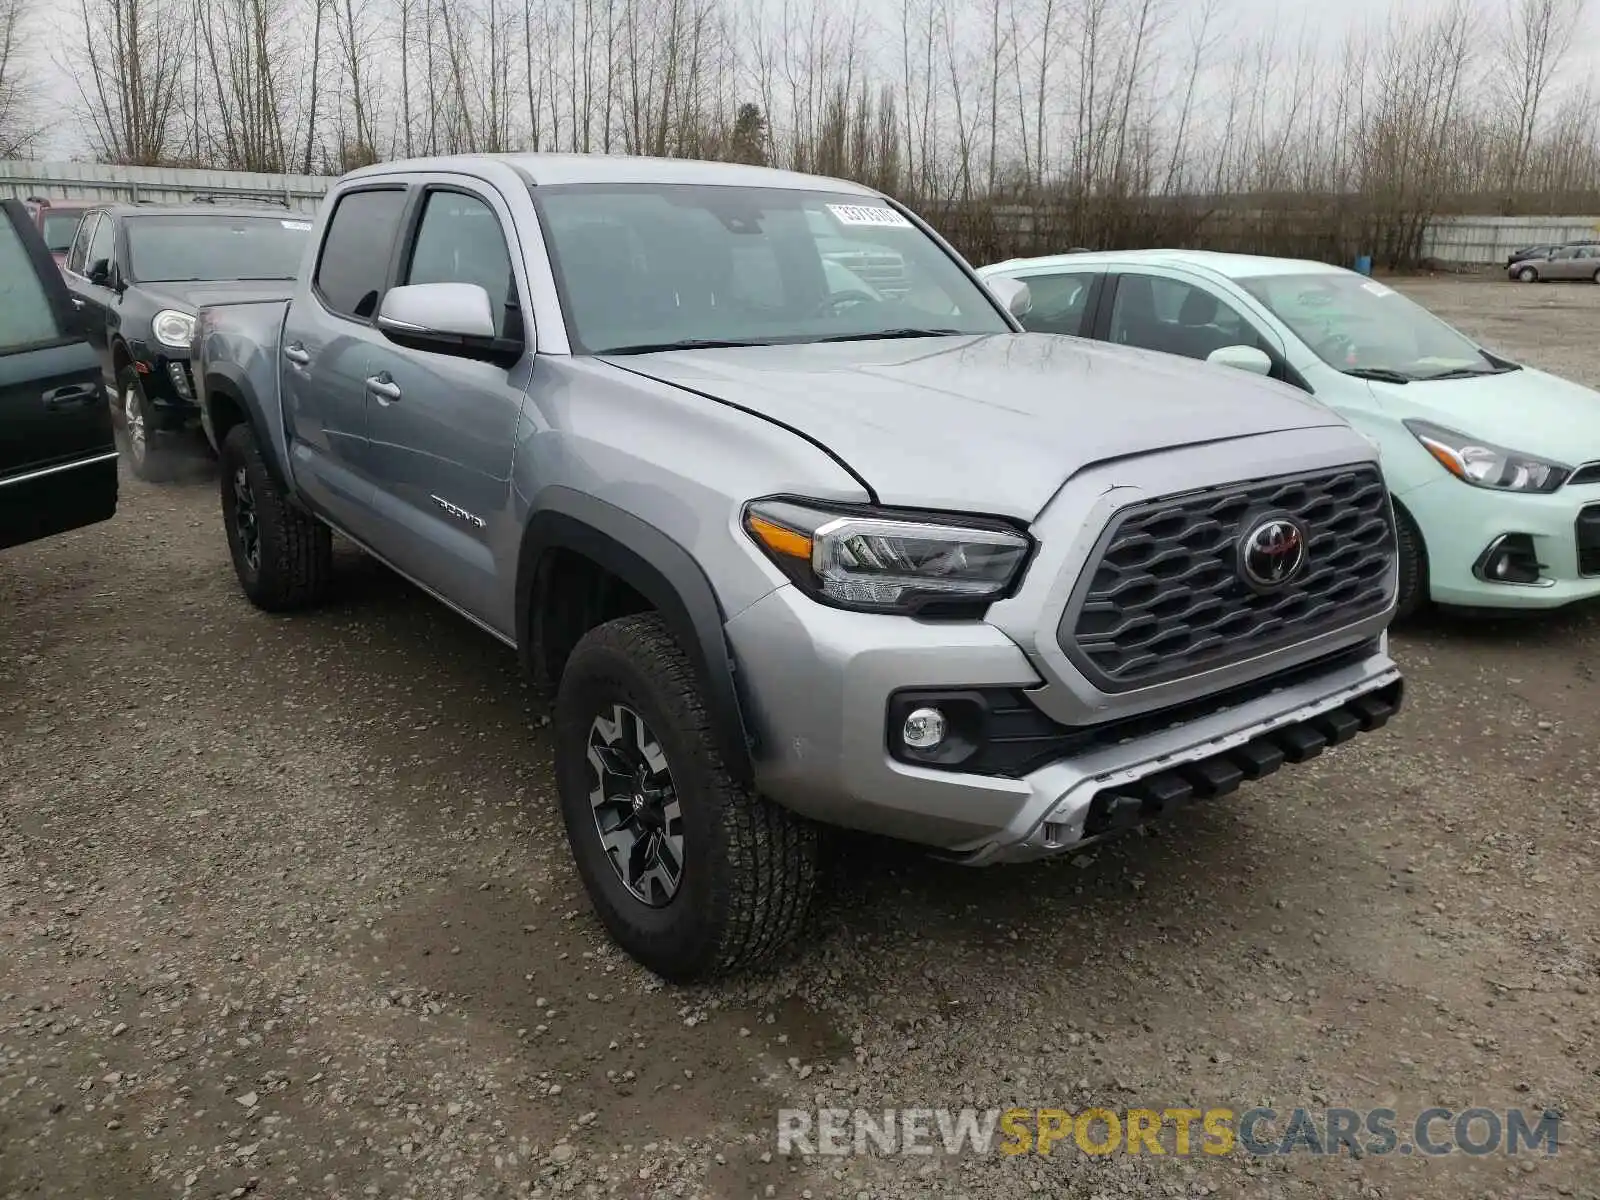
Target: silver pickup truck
[789,549]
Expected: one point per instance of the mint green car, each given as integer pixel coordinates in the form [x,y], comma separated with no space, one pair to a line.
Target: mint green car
[1494,467]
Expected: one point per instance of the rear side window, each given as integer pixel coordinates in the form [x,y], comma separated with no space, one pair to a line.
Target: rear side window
[101,244]
[355,253]
[26,318]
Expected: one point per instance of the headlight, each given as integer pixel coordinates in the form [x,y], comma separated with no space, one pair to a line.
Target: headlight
[1486,465]
[173,328]
[884,562]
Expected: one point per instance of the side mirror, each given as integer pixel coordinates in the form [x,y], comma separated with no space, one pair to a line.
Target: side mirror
[100,272]
[1243,358]
[445,318]
[1013,294]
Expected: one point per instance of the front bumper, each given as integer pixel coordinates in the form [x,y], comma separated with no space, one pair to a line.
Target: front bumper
[168,384]
[817,684]
[1459,522]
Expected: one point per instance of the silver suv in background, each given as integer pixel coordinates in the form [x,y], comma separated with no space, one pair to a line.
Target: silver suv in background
[790,551]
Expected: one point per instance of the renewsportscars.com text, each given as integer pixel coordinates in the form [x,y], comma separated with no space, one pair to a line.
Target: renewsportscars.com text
[1178,1131]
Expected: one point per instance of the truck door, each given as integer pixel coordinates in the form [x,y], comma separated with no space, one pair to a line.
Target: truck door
[328,338]
[443,426]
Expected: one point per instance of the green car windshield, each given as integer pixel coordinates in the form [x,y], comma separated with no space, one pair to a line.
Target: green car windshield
[1359,325]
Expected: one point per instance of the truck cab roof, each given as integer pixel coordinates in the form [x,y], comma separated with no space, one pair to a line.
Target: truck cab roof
[555,169]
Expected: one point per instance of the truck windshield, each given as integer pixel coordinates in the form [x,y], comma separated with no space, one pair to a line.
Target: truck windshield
[1358,324]
[169,248]
[656,266]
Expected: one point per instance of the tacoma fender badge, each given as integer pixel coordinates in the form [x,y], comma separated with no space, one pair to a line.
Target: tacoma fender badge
[459,513]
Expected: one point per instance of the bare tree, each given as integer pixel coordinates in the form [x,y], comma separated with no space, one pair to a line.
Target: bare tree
[131,96]
[244,46]
[1537,37]
[19,128]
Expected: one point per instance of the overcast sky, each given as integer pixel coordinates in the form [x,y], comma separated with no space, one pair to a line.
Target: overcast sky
[54,32]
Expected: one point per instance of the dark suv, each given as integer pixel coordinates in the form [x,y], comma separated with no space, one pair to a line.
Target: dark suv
[139,272]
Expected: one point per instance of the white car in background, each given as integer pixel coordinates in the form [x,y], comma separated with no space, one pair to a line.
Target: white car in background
[1494,467]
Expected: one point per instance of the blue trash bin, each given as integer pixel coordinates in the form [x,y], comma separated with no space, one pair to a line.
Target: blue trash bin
[1364,264]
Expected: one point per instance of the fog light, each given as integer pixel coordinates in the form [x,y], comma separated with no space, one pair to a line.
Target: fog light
[1511,558]
[180,380]
[924,729]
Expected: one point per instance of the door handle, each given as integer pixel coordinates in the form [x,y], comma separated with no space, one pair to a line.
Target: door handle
[383,387]
[77,302]
[297,354]
[71,396]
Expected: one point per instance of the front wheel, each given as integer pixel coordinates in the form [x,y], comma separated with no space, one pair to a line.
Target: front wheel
[147,458]
[1527,275]
[1413,557]
[282,555]
[691,872]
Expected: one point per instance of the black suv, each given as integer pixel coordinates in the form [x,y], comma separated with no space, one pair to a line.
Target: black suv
[139,272]
[58,461]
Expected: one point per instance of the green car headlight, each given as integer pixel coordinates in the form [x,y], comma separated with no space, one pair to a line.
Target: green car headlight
[1485,465]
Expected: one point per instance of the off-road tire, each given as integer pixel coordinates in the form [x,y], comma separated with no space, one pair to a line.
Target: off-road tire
[295,565]
[148,457]
[749,865]
[1412,553]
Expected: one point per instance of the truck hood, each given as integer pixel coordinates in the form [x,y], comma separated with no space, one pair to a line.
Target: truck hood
[191,296]
[1524,410]
[992,423]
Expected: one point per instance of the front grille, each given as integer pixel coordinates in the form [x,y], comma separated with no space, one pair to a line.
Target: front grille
[1588,473]
[1588,535]
[1165,599]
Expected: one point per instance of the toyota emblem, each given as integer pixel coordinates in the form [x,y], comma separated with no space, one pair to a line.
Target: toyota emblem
[1272,553]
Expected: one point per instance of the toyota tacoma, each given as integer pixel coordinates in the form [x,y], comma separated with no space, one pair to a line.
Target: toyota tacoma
[787,549]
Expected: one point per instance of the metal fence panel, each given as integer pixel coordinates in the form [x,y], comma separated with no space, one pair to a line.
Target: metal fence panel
[1471,239]
[103,184]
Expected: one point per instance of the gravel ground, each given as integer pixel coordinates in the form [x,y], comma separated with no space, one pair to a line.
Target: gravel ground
[285,910]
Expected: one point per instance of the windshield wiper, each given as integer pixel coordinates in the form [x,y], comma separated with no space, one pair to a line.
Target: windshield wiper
[1380,374]
[884,335]
[1466,373]
[682,344]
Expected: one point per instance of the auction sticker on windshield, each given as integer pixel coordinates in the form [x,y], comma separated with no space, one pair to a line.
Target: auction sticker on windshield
[297,226]
[868,214]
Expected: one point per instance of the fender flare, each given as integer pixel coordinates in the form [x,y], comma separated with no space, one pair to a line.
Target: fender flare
[229,379]
[661,571]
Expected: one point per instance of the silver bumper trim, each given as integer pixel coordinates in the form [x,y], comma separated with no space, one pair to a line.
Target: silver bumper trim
[1053,822]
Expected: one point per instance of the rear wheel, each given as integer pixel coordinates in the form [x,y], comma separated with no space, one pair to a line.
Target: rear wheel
[691,872]
[1597,275]
[282,555]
